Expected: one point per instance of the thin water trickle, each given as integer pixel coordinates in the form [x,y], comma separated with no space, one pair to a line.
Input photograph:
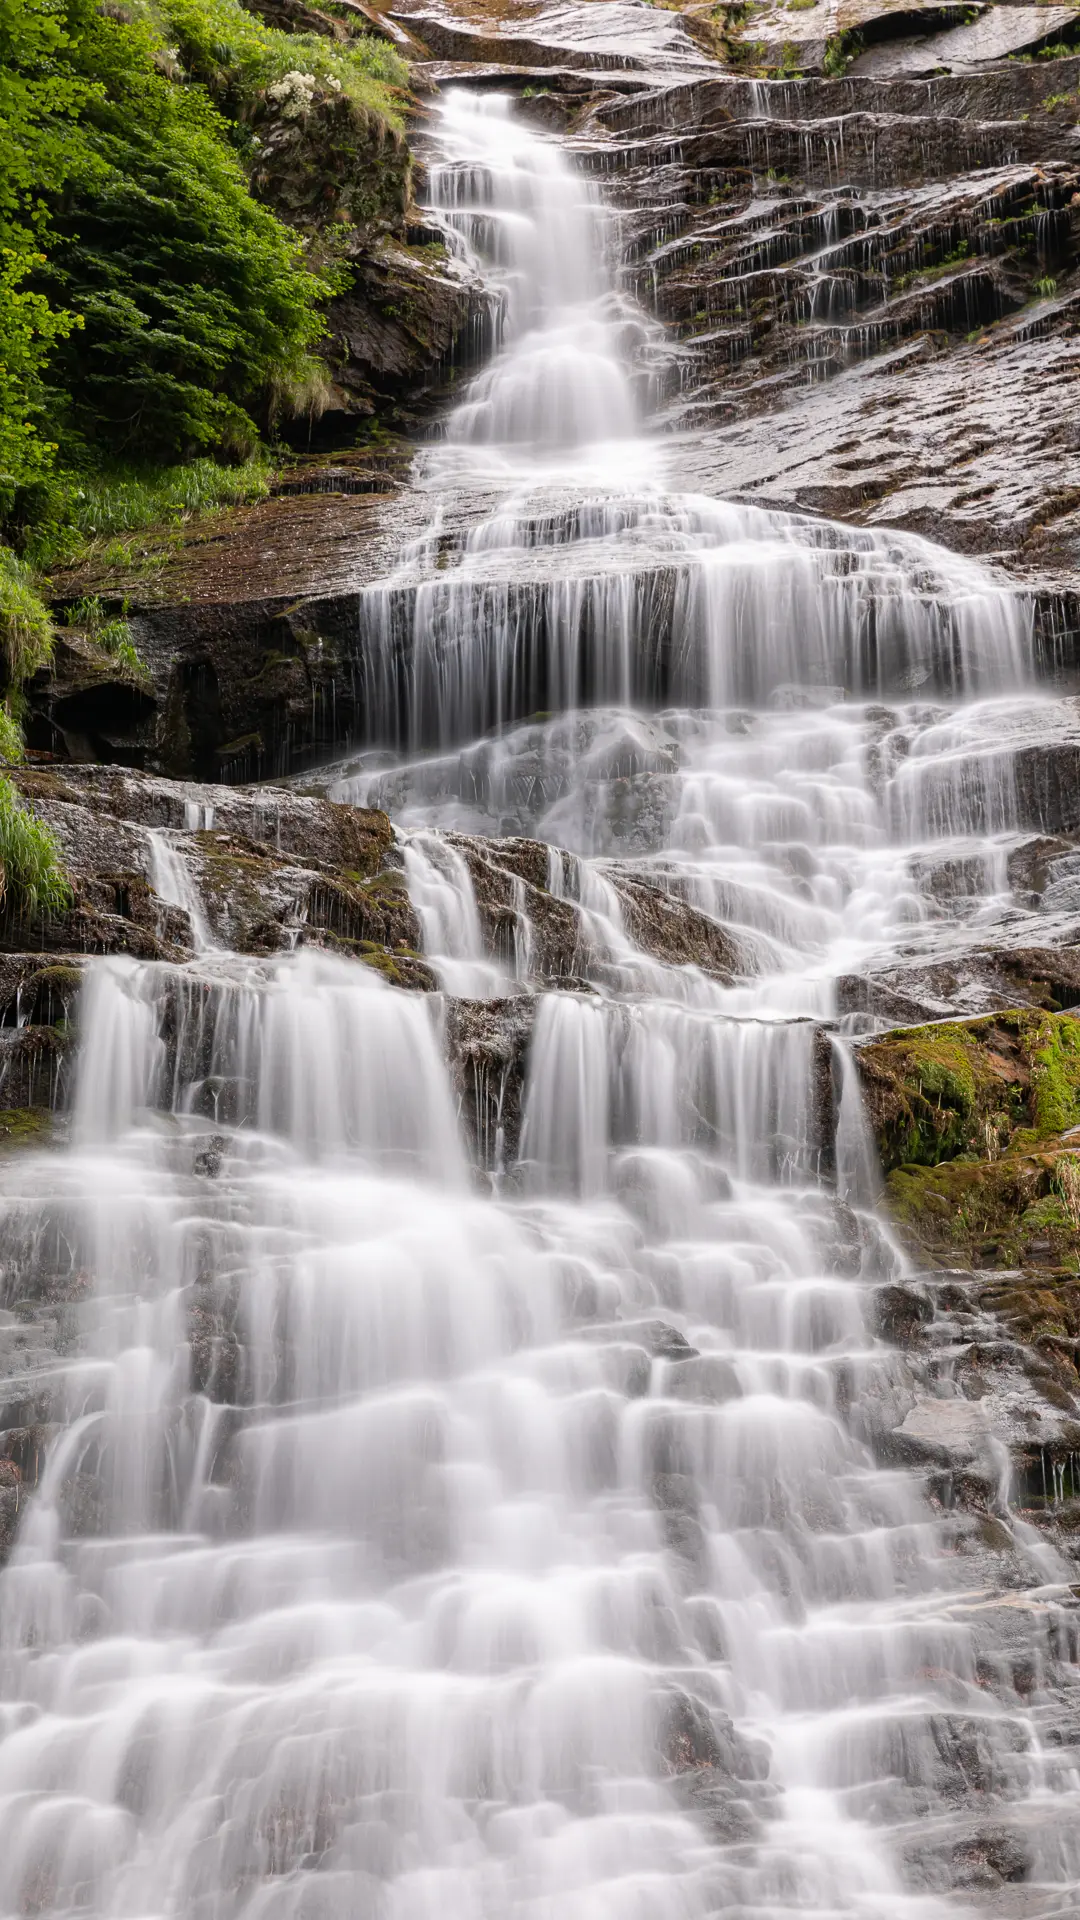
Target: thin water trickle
[405,1550]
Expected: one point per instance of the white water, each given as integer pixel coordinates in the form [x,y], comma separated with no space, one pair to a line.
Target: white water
[401,1551]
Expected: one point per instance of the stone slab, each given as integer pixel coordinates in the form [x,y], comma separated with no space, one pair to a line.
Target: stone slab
[1001,32]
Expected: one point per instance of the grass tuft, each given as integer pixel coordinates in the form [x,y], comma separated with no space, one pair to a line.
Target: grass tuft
[26,629]
[32,876]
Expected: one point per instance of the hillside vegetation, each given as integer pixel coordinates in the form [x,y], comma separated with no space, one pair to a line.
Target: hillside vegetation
[158,314]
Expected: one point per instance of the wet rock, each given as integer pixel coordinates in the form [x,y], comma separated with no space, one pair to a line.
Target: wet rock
[659,1339]
[487,1044]
[977,1857]
[608,35]
[675,932]
[275,870]
[35,1075]
[900,1314]
[705,1376]
[393,335]
[997,34]
[511,882]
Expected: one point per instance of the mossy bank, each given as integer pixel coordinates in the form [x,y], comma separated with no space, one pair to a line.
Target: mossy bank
[974,1122]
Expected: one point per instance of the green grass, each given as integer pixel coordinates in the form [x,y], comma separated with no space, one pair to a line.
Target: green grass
[26,629]
[32,876]
[111,634]
[96,510]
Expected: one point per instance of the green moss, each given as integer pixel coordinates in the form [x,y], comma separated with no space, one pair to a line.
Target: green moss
[25,1127]
[1055,1076]
[1002,1212]
[972,1087]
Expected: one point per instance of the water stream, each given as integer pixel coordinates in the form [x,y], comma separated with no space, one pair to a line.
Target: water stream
[408,1549]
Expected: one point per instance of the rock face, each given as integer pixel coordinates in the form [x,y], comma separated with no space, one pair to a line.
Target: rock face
[169,870]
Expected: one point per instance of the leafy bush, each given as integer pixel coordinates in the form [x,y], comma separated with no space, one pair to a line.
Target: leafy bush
[29,328]
[151,308]
[32,876]
[192,296]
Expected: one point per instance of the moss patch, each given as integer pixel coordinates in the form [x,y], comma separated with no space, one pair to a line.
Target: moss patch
[25,1127]
[978,1087]
[1008,1212]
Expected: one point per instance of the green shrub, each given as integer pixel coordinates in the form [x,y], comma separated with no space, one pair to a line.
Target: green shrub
[32,876]
[193,298]
[150,307]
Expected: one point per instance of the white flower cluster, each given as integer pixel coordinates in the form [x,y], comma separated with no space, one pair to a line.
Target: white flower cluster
[293,93]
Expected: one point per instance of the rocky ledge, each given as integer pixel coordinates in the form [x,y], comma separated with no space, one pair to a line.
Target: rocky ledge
[162,870]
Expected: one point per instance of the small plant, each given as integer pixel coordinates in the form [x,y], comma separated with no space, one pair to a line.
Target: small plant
[26,630]
[111,634]
[32,876]
[840,51]
[787,68]
[11,740]
[1045,287]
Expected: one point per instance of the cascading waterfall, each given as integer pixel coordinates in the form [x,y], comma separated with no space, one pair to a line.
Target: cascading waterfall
[403,1549]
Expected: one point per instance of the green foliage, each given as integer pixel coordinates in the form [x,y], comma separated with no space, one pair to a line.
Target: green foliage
[192,296]
[89,510]
[788,67]
[972,1087]
[110,633]
[151,309]
[239,59]
[26,630]
[1044,287]
[32,876]
[29,328]
[11,740]
[840,51]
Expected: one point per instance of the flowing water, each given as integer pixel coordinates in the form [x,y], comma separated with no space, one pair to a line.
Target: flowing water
[410,1544]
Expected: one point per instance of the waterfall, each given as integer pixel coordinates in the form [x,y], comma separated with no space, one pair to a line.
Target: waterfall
[401,1548]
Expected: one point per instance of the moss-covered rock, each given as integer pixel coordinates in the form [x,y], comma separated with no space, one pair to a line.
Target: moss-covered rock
[972,1086]
[25,1127]
[1017,1210]
[969,1118]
